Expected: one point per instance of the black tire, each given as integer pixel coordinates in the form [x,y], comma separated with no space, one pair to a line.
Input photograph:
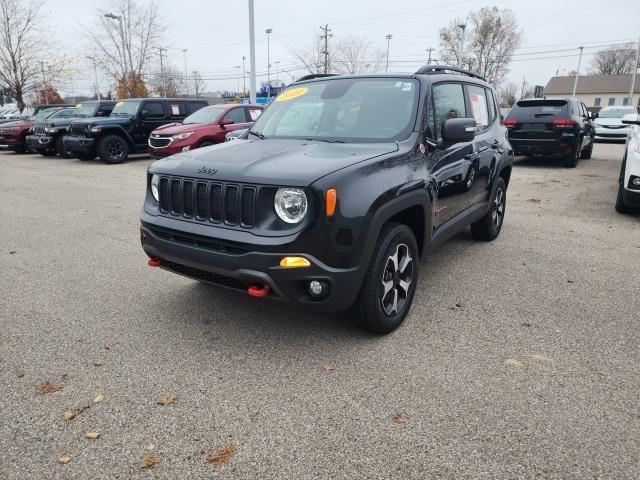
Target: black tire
[586,153]
[22,148]
[47,153]
[85,157]
[571,161]
[60,150]
[205,144]
[113,149]
[489,226]
[374,309]
[620,205]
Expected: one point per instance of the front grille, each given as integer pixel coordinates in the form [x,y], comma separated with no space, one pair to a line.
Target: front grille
[38,129]
[212,202]
[77,128]
[159,142]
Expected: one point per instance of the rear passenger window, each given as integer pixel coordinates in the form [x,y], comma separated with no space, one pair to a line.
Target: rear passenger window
[479,108]
[237,115]
[448,102]
[194,107]
[177,109]
[154,109]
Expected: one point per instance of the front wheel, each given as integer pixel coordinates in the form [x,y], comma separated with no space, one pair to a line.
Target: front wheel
[489,226]
[587,152]
[113,149]
[390,282]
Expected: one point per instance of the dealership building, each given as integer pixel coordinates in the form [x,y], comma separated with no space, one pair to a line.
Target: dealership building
[596,90]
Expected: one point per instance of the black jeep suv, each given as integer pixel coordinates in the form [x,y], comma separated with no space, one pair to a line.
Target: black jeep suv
[560,127]
[337,190]
[47,135]
[127,129]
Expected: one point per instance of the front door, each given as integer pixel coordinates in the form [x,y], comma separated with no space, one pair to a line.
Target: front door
[451,164]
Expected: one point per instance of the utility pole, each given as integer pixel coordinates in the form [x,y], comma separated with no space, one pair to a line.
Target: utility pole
[164,86]
[121,51]
[95,71]
[277,70]
[575,82]
[252,55]
[633,74]
[244,77]
[327,34]
[268,31]
[237,67]
[186,76]
[388,36]
[430,49]
[462,27]
[44,84]
[524,84]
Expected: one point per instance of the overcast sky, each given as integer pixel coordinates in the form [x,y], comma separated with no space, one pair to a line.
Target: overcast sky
[216,33]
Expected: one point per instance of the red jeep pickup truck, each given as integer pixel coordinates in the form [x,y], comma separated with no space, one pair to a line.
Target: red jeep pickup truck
[207,126]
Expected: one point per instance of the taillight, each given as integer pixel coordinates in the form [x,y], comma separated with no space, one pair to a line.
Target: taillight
[563,122]
[509,122]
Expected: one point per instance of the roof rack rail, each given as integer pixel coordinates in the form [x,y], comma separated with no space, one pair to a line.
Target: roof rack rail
[315,75]
[436,69]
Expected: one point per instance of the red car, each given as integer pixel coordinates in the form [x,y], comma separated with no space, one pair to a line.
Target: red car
[205,127]
[13,134]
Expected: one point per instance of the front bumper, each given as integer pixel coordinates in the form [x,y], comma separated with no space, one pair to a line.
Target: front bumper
[631,197]
[79,144]
[562,146]
[9,140]
[240,265]
[604,133]
[40,142]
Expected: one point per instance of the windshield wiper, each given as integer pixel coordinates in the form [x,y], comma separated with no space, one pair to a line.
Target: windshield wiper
[257,134]
[326,140]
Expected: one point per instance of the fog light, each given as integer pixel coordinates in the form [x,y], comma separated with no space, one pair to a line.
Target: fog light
[635,181]
[294,262]
[318,288]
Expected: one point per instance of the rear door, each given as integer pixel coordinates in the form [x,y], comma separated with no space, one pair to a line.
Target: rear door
[534,119]
[153,115]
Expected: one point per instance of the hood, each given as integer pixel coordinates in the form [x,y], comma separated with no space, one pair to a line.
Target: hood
[176,128]
[17,123]
[609,121]
[57,122]
[270,162]
[104,120]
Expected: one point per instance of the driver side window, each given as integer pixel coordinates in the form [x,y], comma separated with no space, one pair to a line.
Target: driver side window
[237,115]
[448,102]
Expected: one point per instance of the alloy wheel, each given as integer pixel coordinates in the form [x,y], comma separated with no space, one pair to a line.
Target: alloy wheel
[397,277]
[497,210]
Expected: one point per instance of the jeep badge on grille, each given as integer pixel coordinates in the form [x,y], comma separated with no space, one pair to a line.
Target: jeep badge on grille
[207,171]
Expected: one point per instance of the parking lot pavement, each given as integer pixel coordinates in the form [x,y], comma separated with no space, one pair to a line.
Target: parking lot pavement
[519,358]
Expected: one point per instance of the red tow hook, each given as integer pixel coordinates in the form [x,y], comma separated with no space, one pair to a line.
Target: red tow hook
[154,262]
[259,291]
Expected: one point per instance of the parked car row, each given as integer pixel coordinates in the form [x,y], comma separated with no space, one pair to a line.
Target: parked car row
[112,130]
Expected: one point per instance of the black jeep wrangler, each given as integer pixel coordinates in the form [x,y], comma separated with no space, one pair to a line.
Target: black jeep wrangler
[127,129]
[47,135]
[335,193]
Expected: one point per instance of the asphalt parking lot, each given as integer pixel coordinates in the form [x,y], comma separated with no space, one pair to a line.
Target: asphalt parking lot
[519,358]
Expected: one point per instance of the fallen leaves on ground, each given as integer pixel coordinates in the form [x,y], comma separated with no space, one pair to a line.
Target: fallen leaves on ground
[148,461]
[537,356]
[97,364]
[513,362]
[48,387]
[92,435]
[98,399]
[167,399]
[327,367]
[64,460]
[223,455]
[525,324]
[399,417]
[71,414]
[534,200]
[151,446]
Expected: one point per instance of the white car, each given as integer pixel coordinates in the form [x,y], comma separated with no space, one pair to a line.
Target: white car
[609,124]
[629,181]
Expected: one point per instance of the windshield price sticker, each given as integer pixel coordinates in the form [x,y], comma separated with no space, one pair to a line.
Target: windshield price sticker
[291,94]
[119,104]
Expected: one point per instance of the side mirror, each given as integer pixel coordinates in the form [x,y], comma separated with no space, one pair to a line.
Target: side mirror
[631,119]
[456,130]
[225,121]
[593,115]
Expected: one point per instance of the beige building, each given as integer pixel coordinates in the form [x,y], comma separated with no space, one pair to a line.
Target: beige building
[596,90]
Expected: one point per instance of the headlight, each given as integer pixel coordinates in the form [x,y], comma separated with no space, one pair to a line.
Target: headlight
[181,136]
[290,204]
[51,130]
[155,183]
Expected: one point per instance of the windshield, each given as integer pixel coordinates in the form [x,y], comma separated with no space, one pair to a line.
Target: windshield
[125,109]
[615,112]
[205,115]
[84,110]
[46,113]
[343,110]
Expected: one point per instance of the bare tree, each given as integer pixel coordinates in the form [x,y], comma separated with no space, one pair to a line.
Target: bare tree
[615,60]
[169,84]
[20,68]
[491,38]
[508,94]
[198,84]
[354,55]
[129,51]
[310,57]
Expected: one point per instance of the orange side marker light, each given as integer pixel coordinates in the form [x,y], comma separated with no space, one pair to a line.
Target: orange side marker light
[331,198]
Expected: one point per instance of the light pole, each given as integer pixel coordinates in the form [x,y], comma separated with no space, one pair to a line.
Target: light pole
[268,31]
[244,78]
[95,71]
[252,55]
[463,28]
[164,85]
[186,76]
[277,62]
[388,37]
[238,67]
[634,73]
[575,82]
[123,58]
[44,83]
